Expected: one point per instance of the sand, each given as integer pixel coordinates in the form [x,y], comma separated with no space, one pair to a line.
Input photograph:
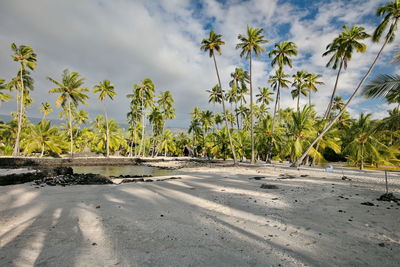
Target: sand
[213,216]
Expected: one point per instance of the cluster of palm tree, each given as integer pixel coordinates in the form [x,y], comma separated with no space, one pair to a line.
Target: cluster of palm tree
[246,128]
[301,134]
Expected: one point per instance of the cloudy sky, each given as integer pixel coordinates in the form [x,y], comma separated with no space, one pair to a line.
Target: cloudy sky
[126,41]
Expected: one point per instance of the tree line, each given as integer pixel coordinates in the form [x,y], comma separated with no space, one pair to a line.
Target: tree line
[258,130]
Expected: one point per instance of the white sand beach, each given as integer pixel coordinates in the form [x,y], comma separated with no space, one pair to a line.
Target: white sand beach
[213,216]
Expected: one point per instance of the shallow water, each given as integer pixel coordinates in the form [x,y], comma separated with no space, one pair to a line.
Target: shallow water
[123,170]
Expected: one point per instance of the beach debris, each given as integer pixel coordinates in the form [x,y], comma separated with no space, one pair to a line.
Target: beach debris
[137,180]
[73,179]
[381,244]
[131,180]
[286,176]
[256,178]
[304,175]
[131,176]
[389,197]
[367,203]
[98,207]
[344,178]
[268,186]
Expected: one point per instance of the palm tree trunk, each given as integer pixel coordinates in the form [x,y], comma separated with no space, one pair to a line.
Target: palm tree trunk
[41,154]
[237,116]
[251,113]
[132,140]
[328,110]
[269,153]
[20,114]
[143,131]
[309,98]
[223,109]
[107,132]
[298,102]
[362,157]
[70,129]
[327,127]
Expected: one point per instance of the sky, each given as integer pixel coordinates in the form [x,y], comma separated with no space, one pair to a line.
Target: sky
[126,41]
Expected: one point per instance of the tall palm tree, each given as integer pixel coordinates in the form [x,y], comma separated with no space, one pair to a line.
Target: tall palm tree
[212,44]
[300,84]
[342,49]
[26,58]
[277,81]
[71,94]
[105,89]
[240,79]
[311,84]
[391,14]
[46,109]
[145,93]
[249,44]
[215,95]
[264,97]
[156,119]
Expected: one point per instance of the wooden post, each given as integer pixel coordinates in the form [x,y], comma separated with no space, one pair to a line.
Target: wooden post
[387,190]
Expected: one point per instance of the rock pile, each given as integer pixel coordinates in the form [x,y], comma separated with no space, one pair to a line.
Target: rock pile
[73,179]
[389,197]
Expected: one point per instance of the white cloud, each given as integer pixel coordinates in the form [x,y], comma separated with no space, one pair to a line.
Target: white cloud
[126,41]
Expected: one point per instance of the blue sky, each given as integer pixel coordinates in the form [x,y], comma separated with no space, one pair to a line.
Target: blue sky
[126,41]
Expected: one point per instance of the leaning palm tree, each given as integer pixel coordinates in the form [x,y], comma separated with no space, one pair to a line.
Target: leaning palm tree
[249,44]
[26,58]
[105,89]
[212,44]
[391,14]
[342,49]
[71,94]
[45,109]
[384,85]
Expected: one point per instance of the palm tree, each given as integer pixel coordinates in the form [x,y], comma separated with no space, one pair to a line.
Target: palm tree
[249,44]
[277,81]
[384,85]
[46,109]
[311,83]
[71,94]
[105,89]
[26,58]
[207,121]
[264,97]
[215,95]
[364,142]
[300,84]
[145,93]
[168,143]
[42,137]
[156,120]
[391,14]
[342,49]
[240,79]
[166,103]
[214,43]
[116,139]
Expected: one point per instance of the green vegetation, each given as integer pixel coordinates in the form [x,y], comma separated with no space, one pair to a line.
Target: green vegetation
[258,130]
